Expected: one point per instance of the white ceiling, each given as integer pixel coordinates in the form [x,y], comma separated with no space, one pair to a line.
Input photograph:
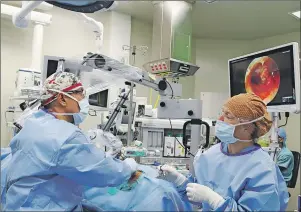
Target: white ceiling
[234,20]
[242,20]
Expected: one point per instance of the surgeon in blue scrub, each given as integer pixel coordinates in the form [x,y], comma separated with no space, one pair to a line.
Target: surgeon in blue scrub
[285,158]
[236,174]
[52,159]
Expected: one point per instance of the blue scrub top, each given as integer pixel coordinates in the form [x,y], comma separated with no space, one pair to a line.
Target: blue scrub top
[285,159]
[52,161]
[248,181]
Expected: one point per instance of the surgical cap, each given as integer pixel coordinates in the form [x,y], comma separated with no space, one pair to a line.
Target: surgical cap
[60,81]
[282,133]
[248,106]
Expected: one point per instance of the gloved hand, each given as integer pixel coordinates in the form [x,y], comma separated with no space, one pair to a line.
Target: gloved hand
[199,193]
[112,139]
[170,174]
[113,143]
[132,163]
[102,139]
[112,152]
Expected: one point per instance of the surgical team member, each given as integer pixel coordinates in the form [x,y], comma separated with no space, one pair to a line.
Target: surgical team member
[236,174]
[285,158]
[52,159]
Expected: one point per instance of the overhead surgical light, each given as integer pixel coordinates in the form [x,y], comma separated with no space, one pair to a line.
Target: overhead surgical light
[88,6]
[296,14]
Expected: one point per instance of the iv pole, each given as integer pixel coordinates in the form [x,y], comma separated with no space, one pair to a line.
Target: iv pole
[274,133]
[129,136]
[134,49]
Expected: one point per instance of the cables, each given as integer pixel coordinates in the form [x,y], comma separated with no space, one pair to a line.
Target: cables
[170,88]
[275,153]
[178,140]
[87,58]
[287,114]
[172,96]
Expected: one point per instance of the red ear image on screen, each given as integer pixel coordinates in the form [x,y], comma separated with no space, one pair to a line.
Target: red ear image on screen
[263,78]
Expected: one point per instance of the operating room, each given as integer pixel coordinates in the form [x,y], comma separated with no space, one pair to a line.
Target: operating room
[158,77]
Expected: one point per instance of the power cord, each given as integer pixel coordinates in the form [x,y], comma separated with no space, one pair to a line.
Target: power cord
[93,137]
[275,153]
[287,114]
[178,140]
[170,89]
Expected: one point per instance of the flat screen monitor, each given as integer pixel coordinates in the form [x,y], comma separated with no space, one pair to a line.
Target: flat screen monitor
[99,100]
[272,74]
[50,66]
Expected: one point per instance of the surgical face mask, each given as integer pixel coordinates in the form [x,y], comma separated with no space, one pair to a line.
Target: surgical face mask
[83,104]
[83,113]
[225,131]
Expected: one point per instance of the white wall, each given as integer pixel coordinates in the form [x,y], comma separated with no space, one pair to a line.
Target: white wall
[12,43]
[212,57]
[269,42]
[142,36]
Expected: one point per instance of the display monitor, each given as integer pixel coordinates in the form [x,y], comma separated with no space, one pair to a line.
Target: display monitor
[99,100]
[50,66]
[272,74]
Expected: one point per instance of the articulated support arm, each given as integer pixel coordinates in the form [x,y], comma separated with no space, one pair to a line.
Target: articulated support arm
[21,18]
[97,28]
[102,64]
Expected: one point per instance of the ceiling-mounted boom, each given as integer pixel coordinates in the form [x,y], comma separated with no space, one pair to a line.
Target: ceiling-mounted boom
[21,18]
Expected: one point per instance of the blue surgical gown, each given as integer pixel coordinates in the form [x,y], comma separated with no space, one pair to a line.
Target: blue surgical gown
[51,162]
[150,194]
[5,161]
[285,160]
[248,181]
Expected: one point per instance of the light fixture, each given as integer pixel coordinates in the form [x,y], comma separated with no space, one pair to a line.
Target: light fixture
[83,6]
[296,14]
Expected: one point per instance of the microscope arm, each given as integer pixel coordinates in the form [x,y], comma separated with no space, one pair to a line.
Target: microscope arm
[99,63]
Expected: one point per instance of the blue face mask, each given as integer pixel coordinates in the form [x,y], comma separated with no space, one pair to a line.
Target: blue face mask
[83,113]
[225,132]
[79,117]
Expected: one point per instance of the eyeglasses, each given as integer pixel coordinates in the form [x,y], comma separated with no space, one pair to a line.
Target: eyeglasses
[80,91]
[226,114]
